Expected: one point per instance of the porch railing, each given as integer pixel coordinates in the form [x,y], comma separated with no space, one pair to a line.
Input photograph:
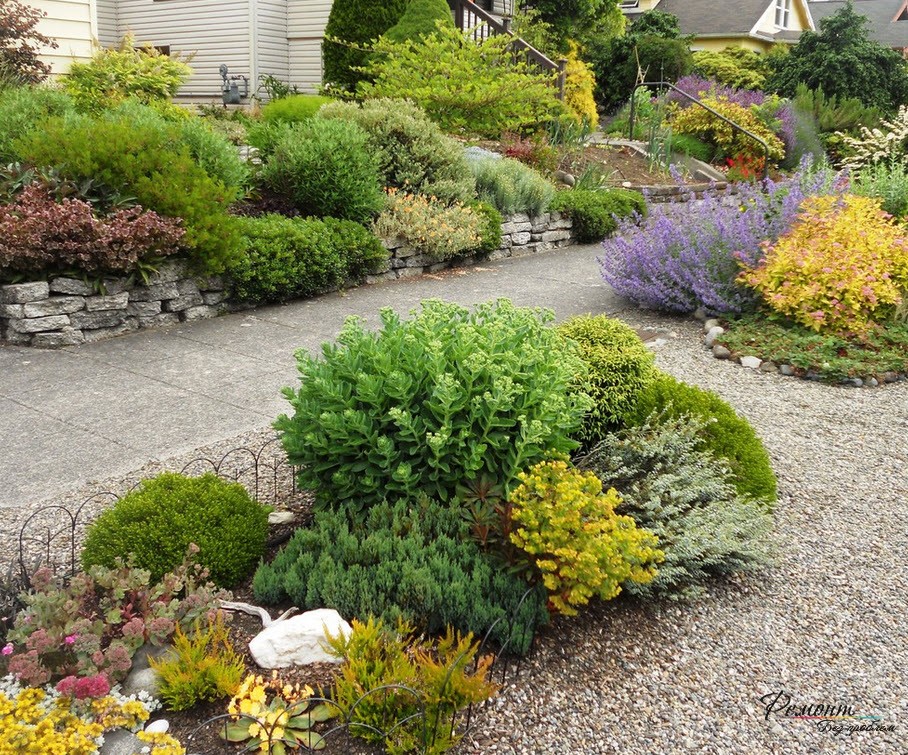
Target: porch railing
[481,24]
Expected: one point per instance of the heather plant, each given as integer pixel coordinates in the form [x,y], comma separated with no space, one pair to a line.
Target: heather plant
[413,153]
[723,433]
[148,164]
[511,187]
[596,213]
[505,93]
[414,561]
[490,234]
[201,666]
[434,228]
[89,628]
[288,258]
[888,144]
[619,366]
[40,236]
[682,257]
[326,169]
[426,404]
[446,674]
[44,720]
[841,268]
[701,123]
[886,182]
[128,71]
[568,528]
[158,521]
[671,486]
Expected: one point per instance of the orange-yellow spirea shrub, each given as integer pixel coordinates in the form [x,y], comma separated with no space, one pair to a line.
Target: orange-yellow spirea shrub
[842,267]
[569,528]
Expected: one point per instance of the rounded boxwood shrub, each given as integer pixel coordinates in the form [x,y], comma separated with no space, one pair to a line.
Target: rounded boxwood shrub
[432,403]
[619,367]
[294,109]
[326,169]
[724,433]
[288,258]
[155,524]
[595,213]
[411,560]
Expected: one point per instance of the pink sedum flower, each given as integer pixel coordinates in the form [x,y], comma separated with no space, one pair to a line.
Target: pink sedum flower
[7,649]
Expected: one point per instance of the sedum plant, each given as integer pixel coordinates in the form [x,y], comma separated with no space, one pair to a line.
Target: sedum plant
[425,404]
[568,527]
[673,487]
[841,268]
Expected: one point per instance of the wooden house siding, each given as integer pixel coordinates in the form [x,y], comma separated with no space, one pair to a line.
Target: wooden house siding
[108,32]
[306,22]
[270,43]
[73,24]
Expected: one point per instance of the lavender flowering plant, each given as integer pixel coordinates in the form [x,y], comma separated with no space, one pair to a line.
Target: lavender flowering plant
[686,255]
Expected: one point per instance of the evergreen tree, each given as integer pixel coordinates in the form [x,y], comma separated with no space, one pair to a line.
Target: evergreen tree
[420,20]
[352,24]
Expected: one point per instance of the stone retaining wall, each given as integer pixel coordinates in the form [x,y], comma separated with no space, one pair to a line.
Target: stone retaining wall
[520,235]
[69,311]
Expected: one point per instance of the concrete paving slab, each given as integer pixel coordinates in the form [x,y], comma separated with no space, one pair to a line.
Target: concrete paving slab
[32,368]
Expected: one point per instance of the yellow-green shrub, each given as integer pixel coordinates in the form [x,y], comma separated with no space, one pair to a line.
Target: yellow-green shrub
[578,89]
[842,266]
[436,229]
[569,527]
[701,123]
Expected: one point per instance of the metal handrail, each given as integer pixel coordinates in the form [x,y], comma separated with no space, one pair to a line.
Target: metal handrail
[503,27]
[696,101]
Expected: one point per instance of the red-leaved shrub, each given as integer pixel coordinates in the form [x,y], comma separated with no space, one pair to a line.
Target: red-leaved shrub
[40,235]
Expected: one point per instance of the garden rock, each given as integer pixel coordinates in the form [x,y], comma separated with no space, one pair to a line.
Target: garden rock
[141,680]
[751,362]
[768,367]
[161,726]
[786,369]
[298,641]
[710,324]
[713,334]
[720,352]
[121,742]
[281,517]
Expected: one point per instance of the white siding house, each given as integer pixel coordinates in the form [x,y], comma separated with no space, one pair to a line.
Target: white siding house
[306,24]
[73,24]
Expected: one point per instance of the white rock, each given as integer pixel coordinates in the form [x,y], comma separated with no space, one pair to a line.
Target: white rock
[281,517]
[713,334]
[751,362]
[709,324]
[298,641]
[161,726]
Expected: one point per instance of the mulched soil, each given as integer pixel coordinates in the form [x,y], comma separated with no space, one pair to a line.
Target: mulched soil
[621,164]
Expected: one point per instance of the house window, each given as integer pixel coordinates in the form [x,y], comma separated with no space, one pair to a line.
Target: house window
[783,13]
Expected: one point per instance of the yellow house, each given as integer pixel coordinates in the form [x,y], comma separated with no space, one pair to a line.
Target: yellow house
[73,24]
[752,24]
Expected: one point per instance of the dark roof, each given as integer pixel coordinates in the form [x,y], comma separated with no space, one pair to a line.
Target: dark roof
[704,17]
[880,14]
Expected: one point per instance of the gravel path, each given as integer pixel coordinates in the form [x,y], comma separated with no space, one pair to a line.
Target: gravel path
[828,625]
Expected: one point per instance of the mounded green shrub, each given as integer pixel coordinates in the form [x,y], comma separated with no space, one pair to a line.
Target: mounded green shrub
[294,109]
[430,403]
[22,110]
[491,229]
[288,258]
[619,366]
[354,23]
[155,524]
[421,19]
[595,213]
[511,187]
[411,560]
[146,162]
[724,433]
[326,169]
[684,494]
[413,154]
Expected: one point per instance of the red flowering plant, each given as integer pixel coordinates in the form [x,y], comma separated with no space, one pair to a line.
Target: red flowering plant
[745,167]
[82,634]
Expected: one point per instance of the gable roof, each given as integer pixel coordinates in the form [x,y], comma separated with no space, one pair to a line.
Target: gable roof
[881,14]
[704,18]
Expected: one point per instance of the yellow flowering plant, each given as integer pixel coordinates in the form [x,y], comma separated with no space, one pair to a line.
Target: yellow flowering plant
[841,268]
[42,720]
[276,724]
[568,527]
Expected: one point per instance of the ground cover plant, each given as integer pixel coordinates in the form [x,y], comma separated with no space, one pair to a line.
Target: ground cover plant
[437,401]
[596,213]
[158,521]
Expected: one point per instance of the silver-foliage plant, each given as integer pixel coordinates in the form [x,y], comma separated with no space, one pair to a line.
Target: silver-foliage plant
[686,497]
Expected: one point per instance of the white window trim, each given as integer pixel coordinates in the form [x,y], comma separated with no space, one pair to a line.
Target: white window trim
[782,8]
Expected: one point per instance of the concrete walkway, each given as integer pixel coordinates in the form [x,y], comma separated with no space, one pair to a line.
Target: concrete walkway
[104,409]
